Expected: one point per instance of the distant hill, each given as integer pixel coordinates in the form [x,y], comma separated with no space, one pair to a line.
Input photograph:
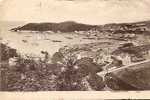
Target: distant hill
[136,27]
[68,26]
[71,26]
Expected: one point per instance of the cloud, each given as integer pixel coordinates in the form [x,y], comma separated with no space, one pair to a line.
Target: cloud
[91,11]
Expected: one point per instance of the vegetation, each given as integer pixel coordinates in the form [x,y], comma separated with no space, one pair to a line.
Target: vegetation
[6,52]
[71,74]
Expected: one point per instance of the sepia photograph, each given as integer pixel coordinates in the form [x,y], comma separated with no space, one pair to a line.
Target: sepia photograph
[74,45]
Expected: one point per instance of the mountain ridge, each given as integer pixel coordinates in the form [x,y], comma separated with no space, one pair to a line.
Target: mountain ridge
[71,26]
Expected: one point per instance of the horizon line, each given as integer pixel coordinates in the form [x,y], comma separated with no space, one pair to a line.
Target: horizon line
[127,22]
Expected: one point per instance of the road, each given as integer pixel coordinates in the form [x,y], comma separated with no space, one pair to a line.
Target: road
[124,67]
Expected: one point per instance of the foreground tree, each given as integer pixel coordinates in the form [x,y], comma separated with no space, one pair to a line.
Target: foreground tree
[79,74]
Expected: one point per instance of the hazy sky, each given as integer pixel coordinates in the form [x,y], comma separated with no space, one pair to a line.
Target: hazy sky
[85,11]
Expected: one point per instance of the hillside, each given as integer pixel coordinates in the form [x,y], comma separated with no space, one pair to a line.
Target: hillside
[71,26]
[137,27]
[135,77]
[68,26]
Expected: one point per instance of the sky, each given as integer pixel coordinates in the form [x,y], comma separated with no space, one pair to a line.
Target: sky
[84,11]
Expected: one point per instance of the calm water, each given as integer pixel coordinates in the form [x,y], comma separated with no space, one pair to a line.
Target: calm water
[33,43]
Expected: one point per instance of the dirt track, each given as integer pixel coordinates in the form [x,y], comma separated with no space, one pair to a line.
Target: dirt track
[124,67]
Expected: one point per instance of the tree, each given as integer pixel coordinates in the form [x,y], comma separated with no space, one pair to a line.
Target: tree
[75,71]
